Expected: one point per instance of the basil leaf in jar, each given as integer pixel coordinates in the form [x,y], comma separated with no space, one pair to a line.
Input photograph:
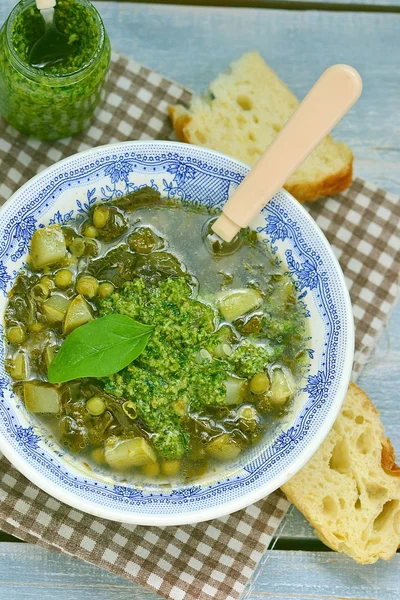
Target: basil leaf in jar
[99,348]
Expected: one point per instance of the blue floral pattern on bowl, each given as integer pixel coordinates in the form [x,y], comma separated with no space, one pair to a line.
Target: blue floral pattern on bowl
[68,189]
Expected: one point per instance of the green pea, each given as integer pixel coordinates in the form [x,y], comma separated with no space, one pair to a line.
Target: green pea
[48,282]
[98,456]
[171,467]
[91,232]
[248,413]
[77,247]
[95,406]
[151,469]
[63,278]
[259,383]
[91,247]
[100,216]
[105,289]
[87,286]
[16,335]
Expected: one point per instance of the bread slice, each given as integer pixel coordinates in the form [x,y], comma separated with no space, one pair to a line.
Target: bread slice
[350,489]
[247,107]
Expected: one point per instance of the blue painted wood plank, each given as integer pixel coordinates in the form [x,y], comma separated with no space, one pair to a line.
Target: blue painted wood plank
[30,572]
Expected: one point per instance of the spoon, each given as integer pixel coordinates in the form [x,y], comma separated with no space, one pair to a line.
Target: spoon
[53,47]
[335,92]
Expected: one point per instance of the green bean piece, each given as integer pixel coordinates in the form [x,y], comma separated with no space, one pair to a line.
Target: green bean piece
[77,247]
[223,350]
[130,409]
[259,383]
[100,216]
[16,335]
[95,406]
[105,289]
[48,247]
[87,286]
[63,278]
[203,356]
[40,292]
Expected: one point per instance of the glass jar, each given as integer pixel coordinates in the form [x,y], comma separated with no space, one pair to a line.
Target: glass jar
[52,104]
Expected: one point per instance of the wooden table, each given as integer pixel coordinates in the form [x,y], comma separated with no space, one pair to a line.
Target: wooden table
[192,45]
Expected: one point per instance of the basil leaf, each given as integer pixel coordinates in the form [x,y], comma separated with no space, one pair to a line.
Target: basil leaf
[99,348]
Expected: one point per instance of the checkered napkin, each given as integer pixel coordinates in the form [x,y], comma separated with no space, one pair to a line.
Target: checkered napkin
[214,559]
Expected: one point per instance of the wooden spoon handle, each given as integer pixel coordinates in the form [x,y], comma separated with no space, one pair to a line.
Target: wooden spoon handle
[326,103]
[43,4]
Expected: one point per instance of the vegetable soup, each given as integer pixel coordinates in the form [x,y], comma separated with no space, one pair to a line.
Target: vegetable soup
[149,347]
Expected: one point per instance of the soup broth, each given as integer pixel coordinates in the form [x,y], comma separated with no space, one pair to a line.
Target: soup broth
[223,352]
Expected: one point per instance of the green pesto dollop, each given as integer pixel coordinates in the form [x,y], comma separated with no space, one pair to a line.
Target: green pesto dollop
[76,22]
[60,99]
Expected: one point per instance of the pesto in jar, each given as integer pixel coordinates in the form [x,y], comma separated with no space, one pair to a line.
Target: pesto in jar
[59,99]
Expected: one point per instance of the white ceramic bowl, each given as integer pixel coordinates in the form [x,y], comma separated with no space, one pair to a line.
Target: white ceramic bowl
[69,188]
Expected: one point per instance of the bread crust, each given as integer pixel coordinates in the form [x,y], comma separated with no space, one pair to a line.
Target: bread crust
[389,458]
[180,119]
[329,186]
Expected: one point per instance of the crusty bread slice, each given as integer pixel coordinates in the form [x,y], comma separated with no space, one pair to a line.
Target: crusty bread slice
[350,489]
[247,107]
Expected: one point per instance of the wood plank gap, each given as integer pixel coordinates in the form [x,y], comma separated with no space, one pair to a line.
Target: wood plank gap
[298,545]
[6,537]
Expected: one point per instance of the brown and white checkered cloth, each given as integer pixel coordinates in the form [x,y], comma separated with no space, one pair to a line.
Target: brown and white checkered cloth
[214,559]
